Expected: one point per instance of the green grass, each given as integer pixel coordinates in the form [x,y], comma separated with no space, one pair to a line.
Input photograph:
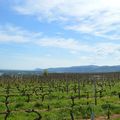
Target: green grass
[57,104]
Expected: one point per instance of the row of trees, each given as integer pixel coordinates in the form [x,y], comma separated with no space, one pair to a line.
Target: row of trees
[47,83]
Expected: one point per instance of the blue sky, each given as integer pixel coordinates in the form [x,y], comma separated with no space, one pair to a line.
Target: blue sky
[58,33]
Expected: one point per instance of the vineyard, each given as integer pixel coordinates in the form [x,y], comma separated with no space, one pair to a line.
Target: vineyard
[59,96]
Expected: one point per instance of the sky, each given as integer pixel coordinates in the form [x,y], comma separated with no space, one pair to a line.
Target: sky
[59,33]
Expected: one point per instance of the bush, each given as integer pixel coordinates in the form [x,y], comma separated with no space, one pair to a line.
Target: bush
[18,105]
[38,105]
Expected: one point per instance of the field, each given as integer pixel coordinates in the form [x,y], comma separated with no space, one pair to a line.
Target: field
[60,97]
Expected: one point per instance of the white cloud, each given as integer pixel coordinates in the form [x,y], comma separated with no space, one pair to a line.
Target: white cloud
[57,42]
[108,49]
[15,34]
[96,17]
[10,33]
[98,49]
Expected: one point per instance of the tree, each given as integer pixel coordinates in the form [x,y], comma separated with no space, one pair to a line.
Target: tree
[45,72]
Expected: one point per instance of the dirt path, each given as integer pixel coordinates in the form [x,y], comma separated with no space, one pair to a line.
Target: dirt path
[113,117]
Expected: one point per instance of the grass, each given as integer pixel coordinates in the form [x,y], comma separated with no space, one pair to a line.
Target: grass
[57,102]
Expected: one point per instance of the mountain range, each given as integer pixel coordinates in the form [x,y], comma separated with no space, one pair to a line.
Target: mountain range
[73,69]
[82,69]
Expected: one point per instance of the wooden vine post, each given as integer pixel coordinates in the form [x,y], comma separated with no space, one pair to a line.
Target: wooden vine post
[95,78]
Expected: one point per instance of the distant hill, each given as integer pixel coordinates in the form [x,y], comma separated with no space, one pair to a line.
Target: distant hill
[14,72]
[73,69]
[83,69]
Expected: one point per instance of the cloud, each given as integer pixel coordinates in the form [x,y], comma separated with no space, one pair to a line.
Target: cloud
[15,34]
[99,18]
[58,42]
[98,49]
[108,49]
[82,53]
[11,33]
